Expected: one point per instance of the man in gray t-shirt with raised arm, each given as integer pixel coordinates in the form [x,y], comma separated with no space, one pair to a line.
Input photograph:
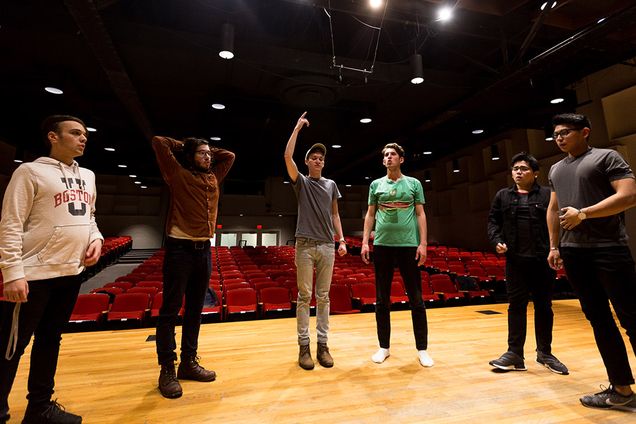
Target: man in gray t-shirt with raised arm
[591,188]
[317,218]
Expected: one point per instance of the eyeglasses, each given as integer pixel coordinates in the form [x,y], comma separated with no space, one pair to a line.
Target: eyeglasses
[563,133]
[520,168]
[204,153]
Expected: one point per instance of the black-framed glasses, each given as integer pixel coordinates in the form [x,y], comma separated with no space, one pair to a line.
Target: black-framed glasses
[520,168]
[564,132]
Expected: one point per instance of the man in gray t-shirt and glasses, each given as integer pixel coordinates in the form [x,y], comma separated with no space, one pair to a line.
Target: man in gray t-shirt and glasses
[591,188]
[317,218]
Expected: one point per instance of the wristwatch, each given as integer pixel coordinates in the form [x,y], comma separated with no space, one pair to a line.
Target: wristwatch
[581,215]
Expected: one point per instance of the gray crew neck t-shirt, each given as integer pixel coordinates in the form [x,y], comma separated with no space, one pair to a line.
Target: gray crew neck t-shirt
[314,207]
[584,181]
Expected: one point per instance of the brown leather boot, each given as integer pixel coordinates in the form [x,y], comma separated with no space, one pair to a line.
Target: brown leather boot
[323,355]
[168,384]
[189,369]
[304,358]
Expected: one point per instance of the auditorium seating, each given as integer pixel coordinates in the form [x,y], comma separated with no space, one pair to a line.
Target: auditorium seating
[90,308]
[129,307]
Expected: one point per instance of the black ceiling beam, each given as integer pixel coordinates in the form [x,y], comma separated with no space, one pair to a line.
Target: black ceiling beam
[87,18]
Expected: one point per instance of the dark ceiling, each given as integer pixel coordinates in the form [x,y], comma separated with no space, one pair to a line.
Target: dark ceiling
[135,68]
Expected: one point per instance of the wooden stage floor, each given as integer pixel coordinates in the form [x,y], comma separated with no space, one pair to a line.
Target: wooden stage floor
[111,377]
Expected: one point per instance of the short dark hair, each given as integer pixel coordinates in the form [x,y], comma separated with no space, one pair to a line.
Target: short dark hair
[398,149]
[52,123]
[190,146]
[525,157]
[576,120]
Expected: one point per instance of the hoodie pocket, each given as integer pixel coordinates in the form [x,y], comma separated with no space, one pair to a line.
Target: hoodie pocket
[67,245]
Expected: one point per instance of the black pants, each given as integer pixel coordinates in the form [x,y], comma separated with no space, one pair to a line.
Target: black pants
[385,259]
[598,275]
[186,271]
[49,307]
[523,277]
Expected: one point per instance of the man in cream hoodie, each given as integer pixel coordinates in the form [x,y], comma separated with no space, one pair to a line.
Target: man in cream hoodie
[47,236]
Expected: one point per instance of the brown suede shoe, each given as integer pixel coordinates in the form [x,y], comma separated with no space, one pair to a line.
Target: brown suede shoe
[304,358]
[324,358]
[168,384]
[189,369]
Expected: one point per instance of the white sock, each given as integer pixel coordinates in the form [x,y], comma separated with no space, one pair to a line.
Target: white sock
[379,356]
[424,358]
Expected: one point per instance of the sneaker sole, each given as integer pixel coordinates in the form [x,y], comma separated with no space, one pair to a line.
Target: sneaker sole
[510,368]
[552,369]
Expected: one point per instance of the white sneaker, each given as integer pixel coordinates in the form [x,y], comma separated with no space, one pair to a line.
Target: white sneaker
[379,356]
[425,359]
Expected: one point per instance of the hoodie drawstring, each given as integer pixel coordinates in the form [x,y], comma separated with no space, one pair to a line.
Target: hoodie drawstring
[12,344]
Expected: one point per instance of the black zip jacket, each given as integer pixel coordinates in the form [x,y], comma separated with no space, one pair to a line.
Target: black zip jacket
[502,219]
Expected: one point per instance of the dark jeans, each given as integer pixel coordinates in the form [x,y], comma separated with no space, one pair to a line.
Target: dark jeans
[186,271]
[385,258]
[49,307]
[598,275]
[525,276]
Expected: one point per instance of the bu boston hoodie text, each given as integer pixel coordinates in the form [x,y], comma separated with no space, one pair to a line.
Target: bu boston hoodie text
[48,220]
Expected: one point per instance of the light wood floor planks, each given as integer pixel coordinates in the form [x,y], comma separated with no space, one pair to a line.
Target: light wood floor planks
[111,377]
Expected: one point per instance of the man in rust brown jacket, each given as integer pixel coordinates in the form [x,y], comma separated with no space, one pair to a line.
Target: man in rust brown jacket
[194,187]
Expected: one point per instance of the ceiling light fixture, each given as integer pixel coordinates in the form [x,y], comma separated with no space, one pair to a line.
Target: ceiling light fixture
[549,139]
[557,100]
[53,90]
[143,186]
[17,161]
[215,138]
[417,71]
[455,166]
[227,41]
[427,152]
[375,4]
[477,131]
[91,129]
[138,182]
[218,106]
[132,176]
[494,152]
[336,146]
[347,185]
[366,120]
[445,14]
[109,149]
[122,166]
[427,176]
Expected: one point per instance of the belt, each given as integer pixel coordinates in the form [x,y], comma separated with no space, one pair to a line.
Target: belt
[189,244]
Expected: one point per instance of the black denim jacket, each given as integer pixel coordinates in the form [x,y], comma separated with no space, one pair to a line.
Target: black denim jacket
[502,220]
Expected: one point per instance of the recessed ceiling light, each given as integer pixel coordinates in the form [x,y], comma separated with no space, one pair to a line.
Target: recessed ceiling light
[375,4]
[218,106]
[17,160]
[143,186]
[132,176]
[53,90]
[600,20]
[91,129]
[427,180]
[138,182]
[240,214]
[285,182]
[122,166]
[549,139]
[367,178]
[226,54]
[347,185]
[427,152]
[215,138]
[417,80]
[456,171]
[478,131]
[557,100]
[109,149]
[365,120]
[444,14]
[279,215]
[336,146]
